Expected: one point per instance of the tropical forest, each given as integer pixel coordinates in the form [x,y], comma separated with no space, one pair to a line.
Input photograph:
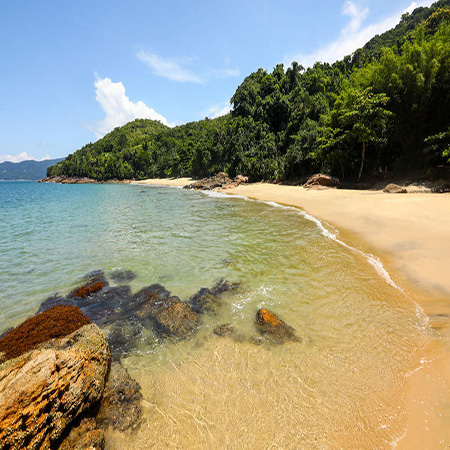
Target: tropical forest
[385,108]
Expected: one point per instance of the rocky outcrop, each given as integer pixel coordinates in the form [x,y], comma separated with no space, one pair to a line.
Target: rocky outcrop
[273,328]
[56,322]
[217,181]
[320,179]
[121,402]
[394,189]
[84,435]
[45,390]
[63,179]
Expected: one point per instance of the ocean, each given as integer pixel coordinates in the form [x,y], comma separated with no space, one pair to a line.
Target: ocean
[342,386]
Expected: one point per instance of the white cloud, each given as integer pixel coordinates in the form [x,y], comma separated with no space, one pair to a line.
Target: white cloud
[176,69]
[23,156]
[119,108]
[42,144]
[226,73]
[171,68]
[218,110]
[353,36]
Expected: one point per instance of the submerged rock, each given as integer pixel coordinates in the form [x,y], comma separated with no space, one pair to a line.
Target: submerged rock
[210,300]
[121,402]
[123,276]
[176,320]
[394,189]
[224,330]
[43,391]
[56,322]
[273,328]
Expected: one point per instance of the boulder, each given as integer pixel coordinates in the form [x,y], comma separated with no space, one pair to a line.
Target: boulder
[219,180]
[394,189]
[273,328]
[45,390]
[121,402]
[319,179]
[56,322]
[176,320]
[84,435]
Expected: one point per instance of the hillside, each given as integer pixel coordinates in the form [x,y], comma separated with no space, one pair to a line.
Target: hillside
[384,108]
[26,170]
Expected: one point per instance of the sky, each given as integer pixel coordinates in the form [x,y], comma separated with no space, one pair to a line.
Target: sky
[70,72]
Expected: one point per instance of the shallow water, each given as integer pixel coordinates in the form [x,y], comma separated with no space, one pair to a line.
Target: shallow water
[342,387]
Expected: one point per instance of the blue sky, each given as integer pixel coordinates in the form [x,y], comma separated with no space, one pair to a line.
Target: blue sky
[72,71]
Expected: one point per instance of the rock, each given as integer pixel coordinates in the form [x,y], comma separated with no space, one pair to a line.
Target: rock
[150,299]
[394,189]
[177,320]
[56,322]
[210,300]
[95,282]
[85,435]
[43,391]
[219,180]
[273,328]
[121,402]
[63,179]
[123,335]
[224,330]
[320,179]
[441,188]
[123,276]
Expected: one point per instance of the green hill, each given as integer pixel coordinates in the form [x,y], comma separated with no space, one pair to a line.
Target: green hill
[383,108]
[26,170]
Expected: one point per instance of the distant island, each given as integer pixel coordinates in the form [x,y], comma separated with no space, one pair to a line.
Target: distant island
[26,170]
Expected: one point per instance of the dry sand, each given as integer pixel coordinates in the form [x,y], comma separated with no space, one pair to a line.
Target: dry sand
[177,182]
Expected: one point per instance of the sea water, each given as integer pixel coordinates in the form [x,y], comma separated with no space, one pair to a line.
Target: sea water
[343,386]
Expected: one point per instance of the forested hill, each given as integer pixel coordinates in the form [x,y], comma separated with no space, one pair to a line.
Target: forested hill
[26,170]
[383,108]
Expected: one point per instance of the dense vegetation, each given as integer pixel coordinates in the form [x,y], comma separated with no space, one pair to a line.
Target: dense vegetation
[383,108]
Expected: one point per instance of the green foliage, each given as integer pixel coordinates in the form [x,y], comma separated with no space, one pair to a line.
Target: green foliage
[383,106]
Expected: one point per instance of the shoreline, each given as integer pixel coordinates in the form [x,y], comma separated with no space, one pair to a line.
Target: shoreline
[410,234]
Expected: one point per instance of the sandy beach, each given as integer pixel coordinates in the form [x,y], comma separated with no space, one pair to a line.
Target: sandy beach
[174,182]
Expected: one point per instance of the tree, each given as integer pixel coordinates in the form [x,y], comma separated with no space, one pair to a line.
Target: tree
[360,116]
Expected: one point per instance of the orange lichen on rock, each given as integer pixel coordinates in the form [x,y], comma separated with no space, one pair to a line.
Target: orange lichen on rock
[56,322]
[88,289]
[265,317]
[274,328]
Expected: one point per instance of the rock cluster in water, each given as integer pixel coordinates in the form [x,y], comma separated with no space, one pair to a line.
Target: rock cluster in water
[61,379]
[219,180]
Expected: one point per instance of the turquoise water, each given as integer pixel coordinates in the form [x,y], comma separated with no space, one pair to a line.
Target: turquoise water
[359,332]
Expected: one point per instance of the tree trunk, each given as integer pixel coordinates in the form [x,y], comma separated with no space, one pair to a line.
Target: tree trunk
[362,161]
